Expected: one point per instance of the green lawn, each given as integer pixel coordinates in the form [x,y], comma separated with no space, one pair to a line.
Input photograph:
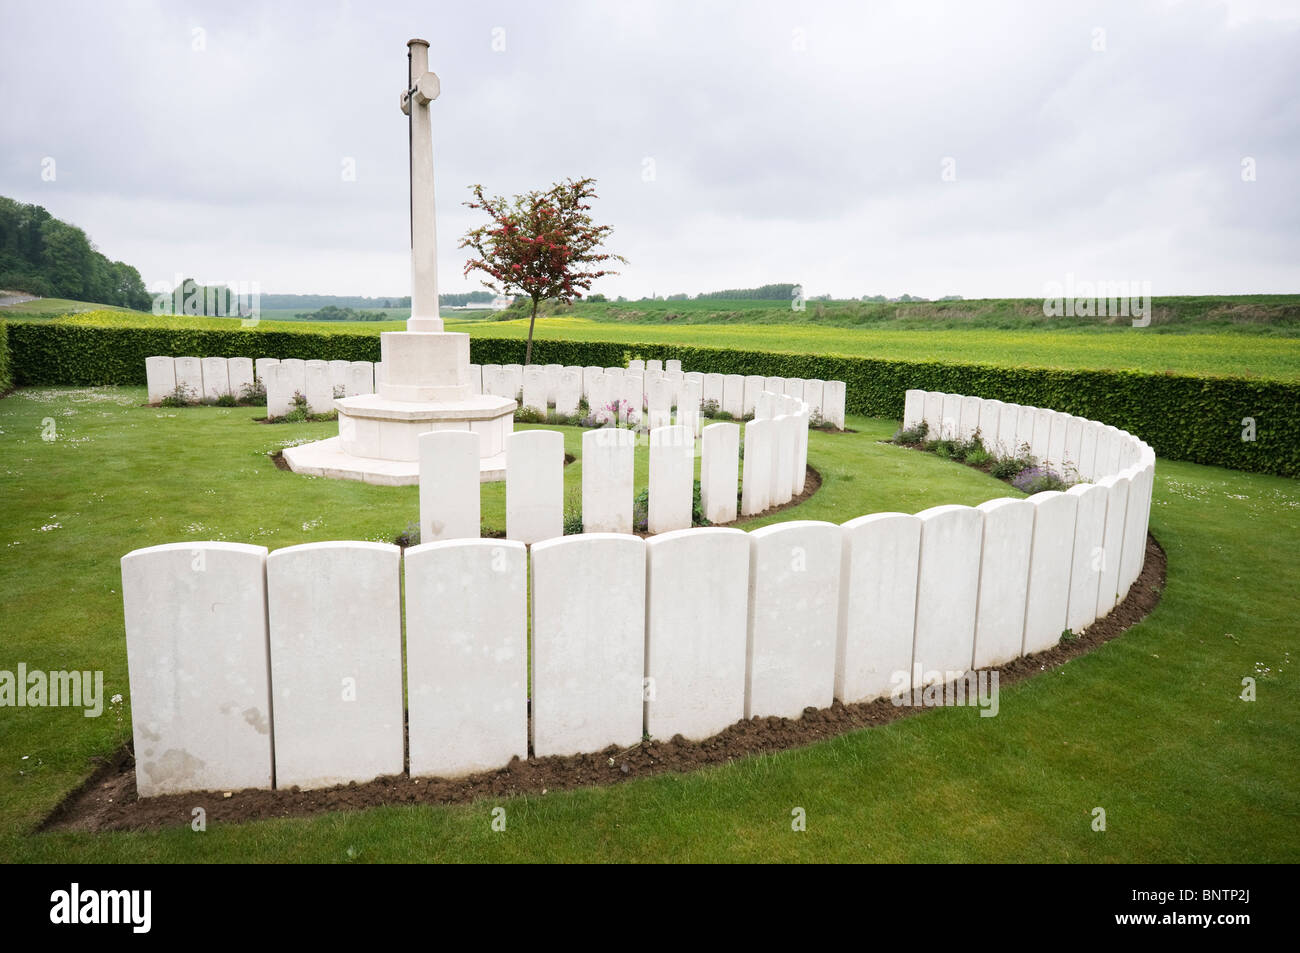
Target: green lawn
[1149,727]
[43,309]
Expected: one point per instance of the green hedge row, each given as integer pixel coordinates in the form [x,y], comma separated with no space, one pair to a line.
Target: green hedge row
[1181,417]
[6,372]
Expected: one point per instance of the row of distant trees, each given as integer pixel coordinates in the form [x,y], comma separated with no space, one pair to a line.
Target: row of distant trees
[46,257]
[281,302]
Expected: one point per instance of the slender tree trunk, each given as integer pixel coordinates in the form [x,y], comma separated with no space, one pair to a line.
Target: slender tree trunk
[528,352]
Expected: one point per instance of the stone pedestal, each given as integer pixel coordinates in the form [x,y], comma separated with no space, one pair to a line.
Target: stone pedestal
[426,387]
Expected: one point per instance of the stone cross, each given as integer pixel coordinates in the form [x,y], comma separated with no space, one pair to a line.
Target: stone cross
[422,88]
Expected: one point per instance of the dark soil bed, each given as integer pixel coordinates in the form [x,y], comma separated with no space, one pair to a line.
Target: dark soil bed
[107,801]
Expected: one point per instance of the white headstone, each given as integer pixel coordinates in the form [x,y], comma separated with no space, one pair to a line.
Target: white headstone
[951,418]
[636,365]
[1072,453]
[279,390]
[659,395]
[494,381]
[833,404]
[1133,547]
[733,395]
[262,367]
[296,370]
[319,391]
[719,471]
[673,366]
[449,485]
[589,373]
[691,419]
[514,379]
[713,384]
[1041,440]
[568,391]
[947,590]
[1085,569]
[753,387]
[196,648]
[553,381]
[877,613]
[1117,494]
[535,389]
[608,469]
[933,414]
[240,372]
[1056,441]
[1049,569]
[1008,414]
[775,385]
[1024,438]
[692,390]
[633,394]
[697,592]
[783,459]
[1004,581]
[969,421]
[672,473]
[160,376]
[656,365]
[336,662]
[989,420]
[466,655]
[793,387]
[339,377]
[813,396]
[361,378]
[1088,434]
[676,382]
[760,451]
[588,643]
[534,485]
[913,409]
[800,459]
[794,583]
[216,378]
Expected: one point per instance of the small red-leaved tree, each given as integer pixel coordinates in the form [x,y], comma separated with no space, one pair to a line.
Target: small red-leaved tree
[540,244]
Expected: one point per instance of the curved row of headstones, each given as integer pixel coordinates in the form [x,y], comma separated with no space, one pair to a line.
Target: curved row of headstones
[210,378]
[649,388]
[257,669]
[1070,445]
[775,469]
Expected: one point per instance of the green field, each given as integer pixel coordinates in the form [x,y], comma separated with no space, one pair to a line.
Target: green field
[1197,343]
[1150,726]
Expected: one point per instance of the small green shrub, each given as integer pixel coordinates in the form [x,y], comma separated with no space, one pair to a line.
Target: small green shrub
[182,396]
[910,437]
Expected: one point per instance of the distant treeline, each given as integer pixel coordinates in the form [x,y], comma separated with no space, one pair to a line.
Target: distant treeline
[46,257]
[316,302]
[331,313]
[780,292]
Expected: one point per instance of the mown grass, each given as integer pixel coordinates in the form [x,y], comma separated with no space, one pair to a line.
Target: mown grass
[43,309]
[1149,727]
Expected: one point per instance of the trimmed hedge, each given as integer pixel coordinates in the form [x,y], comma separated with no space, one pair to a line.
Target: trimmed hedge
[6,375]
[1182,417]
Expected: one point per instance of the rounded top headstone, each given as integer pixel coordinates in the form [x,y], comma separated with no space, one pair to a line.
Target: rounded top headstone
[416,40]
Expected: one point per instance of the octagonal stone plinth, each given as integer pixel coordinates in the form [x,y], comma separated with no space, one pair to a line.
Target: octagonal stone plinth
[378,439]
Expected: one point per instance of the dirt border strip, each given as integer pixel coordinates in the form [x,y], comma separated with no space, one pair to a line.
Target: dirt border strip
[107,800]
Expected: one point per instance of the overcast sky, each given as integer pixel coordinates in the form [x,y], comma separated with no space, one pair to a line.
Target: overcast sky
[733,144]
